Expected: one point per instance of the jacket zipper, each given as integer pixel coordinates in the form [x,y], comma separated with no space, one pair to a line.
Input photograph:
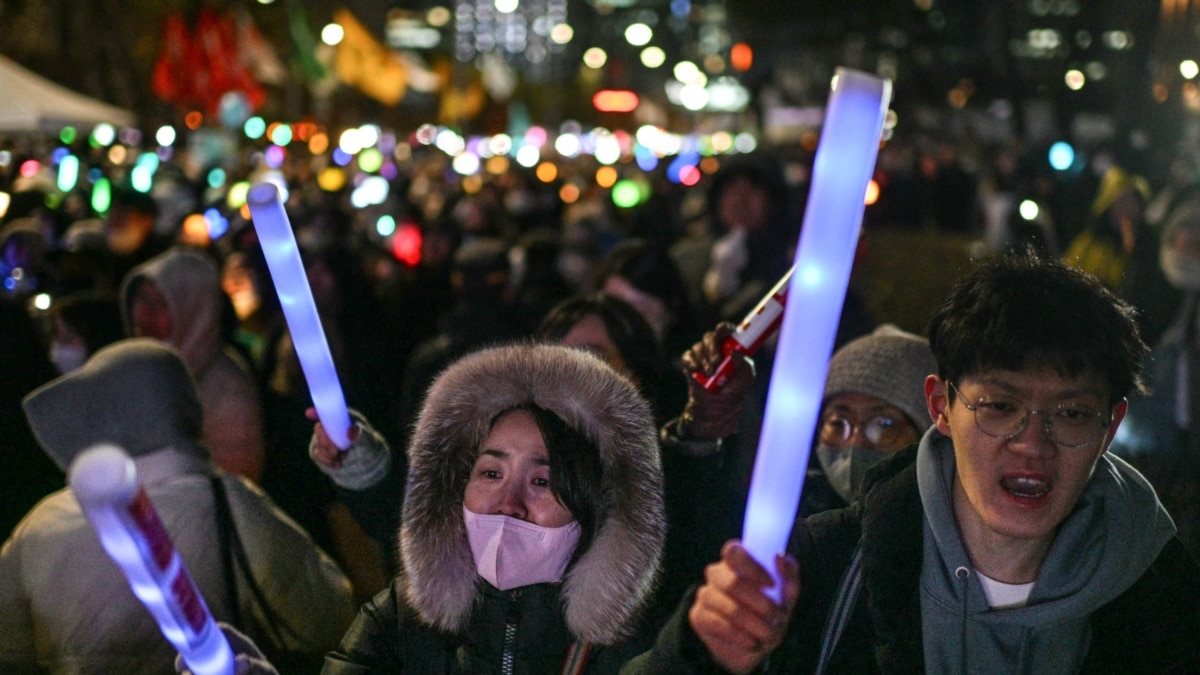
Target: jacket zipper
[508,655]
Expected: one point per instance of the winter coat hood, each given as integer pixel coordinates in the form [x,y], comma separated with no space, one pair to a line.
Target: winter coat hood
[604,590]
[191,285]
[134,393]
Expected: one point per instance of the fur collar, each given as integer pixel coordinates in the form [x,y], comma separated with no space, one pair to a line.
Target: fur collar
[606,588]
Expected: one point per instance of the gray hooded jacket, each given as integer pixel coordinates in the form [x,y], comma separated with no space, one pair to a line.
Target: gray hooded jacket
[1115,533]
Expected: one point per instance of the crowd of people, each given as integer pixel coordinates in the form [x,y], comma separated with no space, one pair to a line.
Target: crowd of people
[537,480]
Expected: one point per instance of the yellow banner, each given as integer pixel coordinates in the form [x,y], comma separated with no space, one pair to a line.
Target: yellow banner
[367,64]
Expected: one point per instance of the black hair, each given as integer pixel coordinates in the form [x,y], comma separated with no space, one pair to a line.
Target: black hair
[1019,311]
[575,470]
[656,378]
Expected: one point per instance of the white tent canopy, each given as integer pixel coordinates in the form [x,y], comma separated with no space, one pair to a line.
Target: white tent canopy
[30,102]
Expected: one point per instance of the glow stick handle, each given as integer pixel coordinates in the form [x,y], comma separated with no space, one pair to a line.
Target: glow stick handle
[842,169]
[287,271]
[104,480]
[758,326]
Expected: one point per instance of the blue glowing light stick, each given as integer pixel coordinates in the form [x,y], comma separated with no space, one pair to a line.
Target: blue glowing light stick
[842,169]
[283,259]
[104,480]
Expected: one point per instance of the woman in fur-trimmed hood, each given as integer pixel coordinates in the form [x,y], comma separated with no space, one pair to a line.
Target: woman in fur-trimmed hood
[457,606]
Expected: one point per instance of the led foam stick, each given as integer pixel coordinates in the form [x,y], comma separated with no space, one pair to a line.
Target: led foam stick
[759,325]
[104,480]
[841,170]
[283,259]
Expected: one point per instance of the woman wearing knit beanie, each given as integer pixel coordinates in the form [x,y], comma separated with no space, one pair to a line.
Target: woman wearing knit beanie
[874,405]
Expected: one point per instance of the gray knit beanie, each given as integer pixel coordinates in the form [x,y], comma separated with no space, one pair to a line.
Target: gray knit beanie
[889,364]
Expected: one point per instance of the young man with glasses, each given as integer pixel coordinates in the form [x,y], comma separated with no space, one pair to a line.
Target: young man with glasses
[1006,540]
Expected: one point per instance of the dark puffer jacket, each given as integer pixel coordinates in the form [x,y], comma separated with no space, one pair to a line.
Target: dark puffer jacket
[439,615]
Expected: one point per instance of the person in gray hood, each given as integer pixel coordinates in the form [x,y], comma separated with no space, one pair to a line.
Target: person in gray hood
[1006,540]
[65,606]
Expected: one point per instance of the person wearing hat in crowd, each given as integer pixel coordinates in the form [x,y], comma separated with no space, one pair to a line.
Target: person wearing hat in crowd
[1117,223]
[65,606]
[874,405]
[1006,540]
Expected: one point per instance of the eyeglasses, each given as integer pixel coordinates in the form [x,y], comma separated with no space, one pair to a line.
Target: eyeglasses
[880,431]
[1067,425]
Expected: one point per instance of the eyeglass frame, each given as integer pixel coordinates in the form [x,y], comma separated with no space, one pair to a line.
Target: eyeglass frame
[1047,421]
[900,423]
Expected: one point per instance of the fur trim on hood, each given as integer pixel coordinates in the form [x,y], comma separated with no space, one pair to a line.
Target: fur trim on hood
[606,588]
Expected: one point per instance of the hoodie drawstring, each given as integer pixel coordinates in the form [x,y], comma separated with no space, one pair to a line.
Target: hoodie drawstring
[962,573]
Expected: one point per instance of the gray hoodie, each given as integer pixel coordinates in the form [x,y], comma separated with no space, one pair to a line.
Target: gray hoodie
[1115,532]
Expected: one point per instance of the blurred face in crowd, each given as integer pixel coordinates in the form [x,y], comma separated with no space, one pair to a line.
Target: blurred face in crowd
[591,334]
[743,203]
[653,310]
[511,476]
[150,312]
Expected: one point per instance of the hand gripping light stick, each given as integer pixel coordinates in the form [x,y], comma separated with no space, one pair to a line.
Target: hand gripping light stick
[287,271]
[758,326]
[841,170]
[104,480]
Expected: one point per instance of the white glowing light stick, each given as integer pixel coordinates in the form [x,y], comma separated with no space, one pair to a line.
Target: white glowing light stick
[287,271]
[842,168]
[104,480]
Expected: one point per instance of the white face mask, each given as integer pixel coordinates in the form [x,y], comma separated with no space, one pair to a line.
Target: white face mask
[67,357]
[846,467]
[511,553]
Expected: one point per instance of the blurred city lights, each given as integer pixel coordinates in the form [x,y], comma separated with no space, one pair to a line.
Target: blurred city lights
[385,226]
[5,201]
[1028,209]
[653,57]
[506,6]
[216,177]
[68,173]
[872,192]
[561,34]
[1189,69]
[101,195]
[165,135]
[236,197]
[741,57]
[606,176]
[639,34]
[1061,155]
[595,57]
[406,244]
[254,128]
[1074,79]
[546,172]
[350,142]
[615,100]
[466,164]
[625,194]
[42,301]
[332,34]
[528,156]
[281,134]
[567,145]
[370,160]
[104,134]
